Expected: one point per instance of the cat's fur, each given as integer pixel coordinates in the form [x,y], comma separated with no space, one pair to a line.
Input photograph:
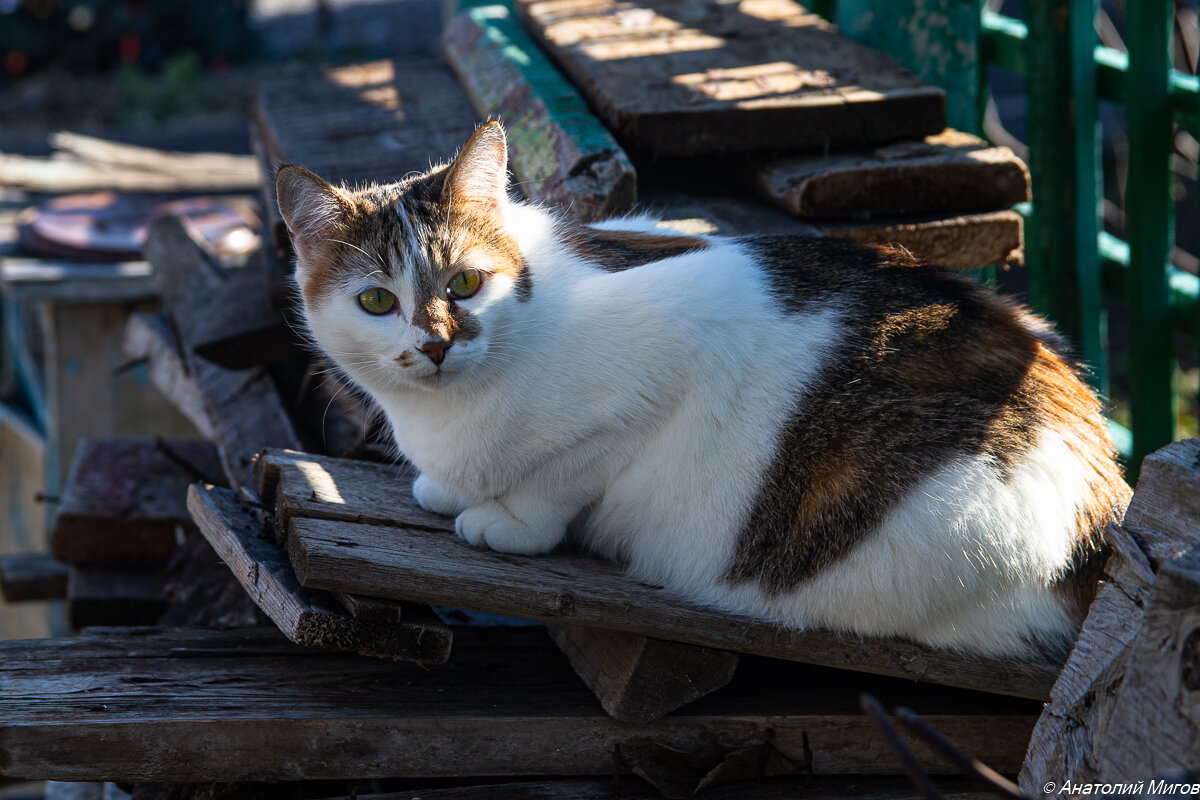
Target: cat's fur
[801,430]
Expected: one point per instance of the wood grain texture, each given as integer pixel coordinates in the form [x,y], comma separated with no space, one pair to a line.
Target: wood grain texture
[33,576]
[194,705]
[241,330]
[560,153]
[963,241]
[950,171]
[1155,724]
[1163,522]
[124,497]
[242,409]
[306,616]
[354,527]
[640,679]
[758,75]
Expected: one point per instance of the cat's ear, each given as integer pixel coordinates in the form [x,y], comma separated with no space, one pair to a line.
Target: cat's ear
[479,175]
[310,205]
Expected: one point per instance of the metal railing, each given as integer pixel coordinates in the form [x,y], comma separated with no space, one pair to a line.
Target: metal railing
[1072,262]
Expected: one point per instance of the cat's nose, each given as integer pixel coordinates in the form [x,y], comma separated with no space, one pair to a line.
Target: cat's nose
[436,350]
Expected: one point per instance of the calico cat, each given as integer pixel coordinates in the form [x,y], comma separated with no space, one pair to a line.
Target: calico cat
[798,429]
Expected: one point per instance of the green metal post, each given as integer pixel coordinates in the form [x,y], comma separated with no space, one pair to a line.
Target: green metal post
[1061,250]
[1150,227]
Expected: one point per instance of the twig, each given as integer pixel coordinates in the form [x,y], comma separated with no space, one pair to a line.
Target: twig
[980,773]
[920,778]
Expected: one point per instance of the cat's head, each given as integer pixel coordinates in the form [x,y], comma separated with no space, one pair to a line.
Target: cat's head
[408,284]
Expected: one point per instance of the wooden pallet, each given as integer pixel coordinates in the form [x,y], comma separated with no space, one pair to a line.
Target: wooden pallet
[195,705]
[354,527]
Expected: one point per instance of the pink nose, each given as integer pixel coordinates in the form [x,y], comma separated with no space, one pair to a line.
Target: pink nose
[436,350]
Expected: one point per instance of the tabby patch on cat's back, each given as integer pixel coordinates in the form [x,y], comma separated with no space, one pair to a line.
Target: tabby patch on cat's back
[799,429]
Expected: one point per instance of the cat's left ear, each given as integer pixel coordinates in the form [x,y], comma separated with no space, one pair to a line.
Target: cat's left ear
[479,175]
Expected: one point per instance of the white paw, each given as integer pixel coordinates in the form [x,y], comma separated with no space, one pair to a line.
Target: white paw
[432,496]
[490,524]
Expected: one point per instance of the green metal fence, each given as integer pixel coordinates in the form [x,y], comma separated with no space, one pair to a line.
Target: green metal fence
[1072,262]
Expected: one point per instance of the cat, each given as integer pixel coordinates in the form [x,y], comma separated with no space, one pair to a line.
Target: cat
[799,429]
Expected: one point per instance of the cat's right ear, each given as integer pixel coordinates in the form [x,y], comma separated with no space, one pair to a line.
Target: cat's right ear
[310,205]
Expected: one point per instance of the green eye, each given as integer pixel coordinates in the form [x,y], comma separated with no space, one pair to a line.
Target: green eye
[464,284]
[377,300]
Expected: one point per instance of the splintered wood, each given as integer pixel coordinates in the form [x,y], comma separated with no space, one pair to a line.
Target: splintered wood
[686,77]
[196,705]
[354,527]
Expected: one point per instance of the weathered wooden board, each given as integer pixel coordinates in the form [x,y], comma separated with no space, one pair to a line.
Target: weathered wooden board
[354,527]
[115,595]
[32,577]
[372,628]
[241,330]
[198,705]
[1155,725]
[241,410]
[640,679]
[559,152]
[686,77]
[124,497]
[950,171]
[1162,522]
[965,241]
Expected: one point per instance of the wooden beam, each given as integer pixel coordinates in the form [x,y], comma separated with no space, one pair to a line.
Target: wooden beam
[373,628]
[241,330]
[761,75]
[354,527]
[560,153]
[948,172]
[1162,522]
[124,497]
[32,577]
[640,679]
[241,409]
[115,595]
[1155,725]
[963,241]
[197,705]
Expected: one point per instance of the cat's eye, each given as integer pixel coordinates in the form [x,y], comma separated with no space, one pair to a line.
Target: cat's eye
[376,300]
[464,284]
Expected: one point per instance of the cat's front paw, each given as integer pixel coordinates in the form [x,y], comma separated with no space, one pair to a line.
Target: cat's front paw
[432,496]
[490,524]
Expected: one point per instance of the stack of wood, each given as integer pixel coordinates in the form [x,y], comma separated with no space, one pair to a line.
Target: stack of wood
[330,546]
[770,96]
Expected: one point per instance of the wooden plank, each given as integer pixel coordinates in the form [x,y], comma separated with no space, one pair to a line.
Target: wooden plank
[149,338]
[965,241]
[560,153]
[124,497]
[354,527]
[1163,522]
[948,172]
[242,408]
[108,595]
[70,282]
[200,705]
[1155,725]
[310,617]
[640,679]
[759,75]
[241,330]
[32,577]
